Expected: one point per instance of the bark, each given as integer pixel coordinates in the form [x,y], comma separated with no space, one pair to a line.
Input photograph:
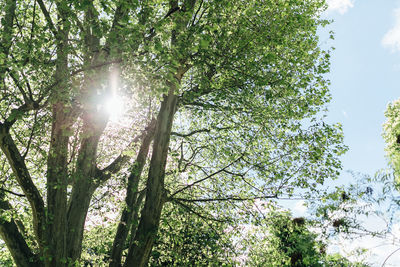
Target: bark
[83,188]
[131,200]
[87,177]
[15,242]
[57,171]
[24,180]
[140,249]
[57,181]
[142,244]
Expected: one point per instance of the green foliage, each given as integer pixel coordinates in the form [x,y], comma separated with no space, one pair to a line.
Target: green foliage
[285,242]
[5,256]
[391,135]
[249,78]
[184,239]
[281,240]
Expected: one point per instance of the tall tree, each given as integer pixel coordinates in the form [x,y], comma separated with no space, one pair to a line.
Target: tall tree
[221,109]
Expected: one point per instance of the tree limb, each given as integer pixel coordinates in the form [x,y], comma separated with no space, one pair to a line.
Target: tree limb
[205,178]
[197,213]
[24,179]
[228,198]
[191,133]
[133,199]
[14,240]
[48,18]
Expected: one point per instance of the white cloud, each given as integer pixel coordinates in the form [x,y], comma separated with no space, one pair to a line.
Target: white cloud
[345,114]
[341,6]
[392,37]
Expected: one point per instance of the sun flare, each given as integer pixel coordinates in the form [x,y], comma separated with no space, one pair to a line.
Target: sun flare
[115,107]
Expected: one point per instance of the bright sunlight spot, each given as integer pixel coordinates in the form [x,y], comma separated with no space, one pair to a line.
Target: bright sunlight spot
[114,104]
[115,107]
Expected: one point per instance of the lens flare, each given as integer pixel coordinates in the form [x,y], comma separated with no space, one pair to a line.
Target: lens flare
[115,107]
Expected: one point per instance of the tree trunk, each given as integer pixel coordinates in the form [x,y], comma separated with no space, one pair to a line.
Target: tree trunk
[132,200]
[15,242]
[139,251]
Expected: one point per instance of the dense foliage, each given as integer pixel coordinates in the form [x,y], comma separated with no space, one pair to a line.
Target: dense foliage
[391,134]
[218,102]
[287,241]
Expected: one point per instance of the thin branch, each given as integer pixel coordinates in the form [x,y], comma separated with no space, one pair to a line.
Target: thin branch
[197,12]
[16,82]
[228,198]
[205,178]
[197,213]
[11,192]
[48,18]
[31,136]
[391,254]
[91,67]
[191,133]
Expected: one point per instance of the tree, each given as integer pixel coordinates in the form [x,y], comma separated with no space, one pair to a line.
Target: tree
[391,134]
[281,240]
[185,239]
[222,101]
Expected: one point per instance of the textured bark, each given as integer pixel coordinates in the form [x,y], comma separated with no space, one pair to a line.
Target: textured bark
[87,178]
[77,211]
[24,180]
[84,187]
[140,249]
[57,181]
[131,200]
[57,172]
[94,122]
[15,242]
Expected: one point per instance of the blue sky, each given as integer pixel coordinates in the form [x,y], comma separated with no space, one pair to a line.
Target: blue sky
[365,77]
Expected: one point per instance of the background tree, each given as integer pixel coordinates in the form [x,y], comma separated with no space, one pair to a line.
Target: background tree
[391,134]
[222,101]
[281,240]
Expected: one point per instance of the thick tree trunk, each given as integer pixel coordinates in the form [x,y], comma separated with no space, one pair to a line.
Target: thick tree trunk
[139,251]
[57,176]
[57,171]
[84,179]
[57,190]
[77,212]
[132,200]
[83,188]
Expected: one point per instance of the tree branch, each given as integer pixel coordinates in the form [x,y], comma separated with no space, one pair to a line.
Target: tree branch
[205,178]
[120,12]
[48,18]
[228,198]
[117,164]
[133,199]
[24,179]
[191,133]
[14,240]
[197,213]
[11,192]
